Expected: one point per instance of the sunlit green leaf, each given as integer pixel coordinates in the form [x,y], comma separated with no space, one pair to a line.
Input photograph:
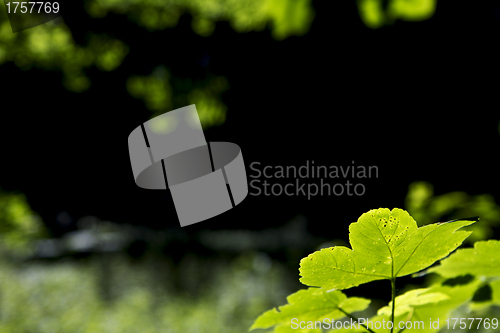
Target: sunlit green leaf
[409,300]
[311,304]
[482,260]
[426,309]
[440,311]
[385,244]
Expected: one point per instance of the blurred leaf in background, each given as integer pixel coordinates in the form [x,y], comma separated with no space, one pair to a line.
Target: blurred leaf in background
[155,91]
[429,208]
[51,46]
[378,13]
[287,17]
[19,225]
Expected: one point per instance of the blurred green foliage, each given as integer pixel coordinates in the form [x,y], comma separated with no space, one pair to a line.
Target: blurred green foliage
[64,296]
[156,92]
[287,17]
[427,208]
[19,225]
[111,293]
[51,46]
[377,13]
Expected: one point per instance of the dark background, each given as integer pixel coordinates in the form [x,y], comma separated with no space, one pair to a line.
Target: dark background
[417,99]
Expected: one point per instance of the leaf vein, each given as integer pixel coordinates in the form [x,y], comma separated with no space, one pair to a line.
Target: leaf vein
[415,249]
[345,271]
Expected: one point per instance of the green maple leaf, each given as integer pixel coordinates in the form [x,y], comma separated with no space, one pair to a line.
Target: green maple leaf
[412,299]
[423,305]
[482,260]
[385,244]
[311,304]
[439,311]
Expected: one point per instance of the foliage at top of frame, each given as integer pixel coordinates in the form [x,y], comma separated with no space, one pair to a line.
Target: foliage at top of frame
[51,46]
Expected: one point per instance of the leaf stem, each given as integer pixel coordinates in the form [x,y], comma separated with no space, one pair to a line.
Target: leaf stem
[354,318]
[393,285]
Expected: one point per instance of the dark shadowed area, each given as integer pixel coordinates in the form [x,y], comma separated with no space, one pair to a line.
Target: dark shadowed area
[404,89]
